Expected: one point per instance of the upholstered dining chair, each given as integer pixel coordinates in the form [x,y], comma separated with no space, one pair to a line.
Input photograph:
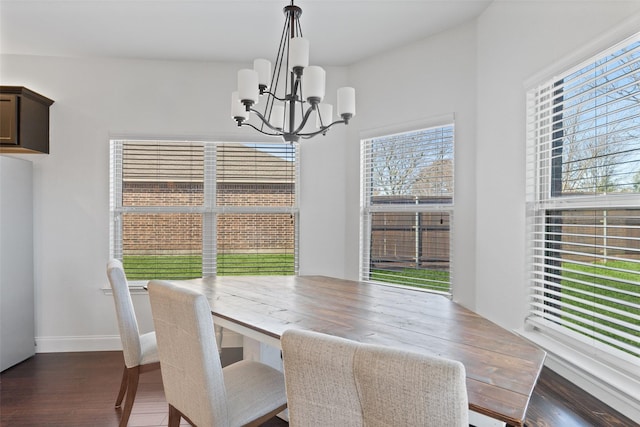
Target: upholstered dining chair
[140,350]
[320,382]
[334,381]
[197,387]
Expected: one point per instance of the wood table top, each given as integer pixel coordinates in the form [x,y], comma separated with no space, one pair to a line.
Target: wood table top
[502,368]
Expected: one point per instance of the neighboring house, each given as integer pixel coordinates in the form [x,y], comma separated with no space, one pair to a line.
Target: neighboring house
[174,176]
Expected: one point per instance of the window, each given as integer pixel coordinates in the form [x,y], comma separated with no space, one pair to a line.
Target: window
[183,210]
[583,206]
[407,206]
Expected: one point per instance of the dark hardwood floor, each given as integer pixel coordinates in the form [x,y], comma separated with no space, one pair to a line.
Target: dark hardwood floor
[79,389]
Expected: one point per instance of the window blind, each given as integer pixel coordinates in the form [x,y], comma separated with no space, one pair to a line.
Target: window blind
[409,168]
[157,208]
[407,204]
[264,174]
[256,200]
[584,205]
[190,209]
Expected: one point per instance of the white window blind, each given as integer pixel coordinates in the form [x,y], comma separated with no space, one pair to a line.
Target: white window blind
[257,209]
[583,205]
[407,205]
[190,209]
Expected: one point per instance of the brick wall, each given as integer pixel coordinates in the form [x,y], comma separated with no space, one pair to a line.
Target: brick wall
[271,233]
[181,232]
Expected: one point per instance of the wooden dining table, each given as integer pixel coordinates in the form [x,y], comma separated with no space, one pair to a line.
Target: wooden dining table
[501,367]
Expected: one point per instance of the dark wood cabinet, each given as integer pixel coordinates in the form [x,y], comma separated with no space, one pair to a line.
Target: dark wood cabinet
[24,120]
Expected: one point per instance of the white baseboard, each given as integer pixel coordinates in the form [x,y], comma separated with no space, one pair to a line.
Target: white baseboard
[106,343]
[78,343]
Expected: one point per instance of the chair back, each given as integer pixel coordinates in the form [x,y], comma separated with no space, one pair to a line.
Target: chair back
[189,360]
[127,322]
[334,381]
[319,379]
[401,388]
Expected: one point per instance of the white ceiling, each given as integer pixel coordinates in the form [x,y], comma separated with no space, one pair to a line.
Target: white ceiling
[340,31]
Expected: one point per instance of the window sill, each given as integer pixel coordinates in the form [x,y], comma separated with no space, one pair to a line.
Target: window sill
[605,383]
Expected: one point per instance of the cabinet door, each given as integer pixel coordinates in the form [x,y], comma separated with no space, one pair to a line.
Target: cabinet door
[9,119]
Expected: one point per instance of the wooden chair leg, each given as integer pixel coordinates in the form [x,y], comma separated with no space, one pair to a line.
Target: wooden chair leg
[123,388]
[174,417]
[133,374]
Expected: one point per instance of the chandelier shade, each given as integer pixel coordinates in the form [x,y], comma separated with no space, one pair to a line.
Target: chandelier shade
[285,97]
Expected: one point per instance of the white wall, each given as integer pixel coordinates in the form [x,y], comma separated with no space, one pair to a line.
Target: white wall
[405,88]
[323,163]
[96,99]
[519,43]
[516,40]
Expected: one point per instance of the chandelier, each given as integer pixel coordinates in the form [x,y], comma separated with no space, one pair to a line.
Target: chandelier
[288,105]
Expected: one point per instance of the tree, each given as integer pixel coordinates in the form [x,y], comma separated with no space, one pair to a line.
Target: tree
[401,163]
[396,164]
[435,179]
[636,182]
[597,127]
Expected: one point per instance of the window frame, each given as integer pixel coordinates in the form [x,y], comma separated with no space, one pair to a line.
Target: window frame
[542,199]
[368,209]
[209,209]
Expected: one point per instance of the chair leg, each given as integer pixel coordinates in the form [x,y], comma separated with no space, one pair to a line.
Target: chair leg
[174,417]
[123,388]
[133,374]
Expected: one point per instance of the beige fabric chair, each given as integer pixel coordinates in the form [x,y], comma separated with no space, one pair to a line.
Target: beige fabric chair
[140,351]
[196,386]
[320,383]
[333,381]
[409,389]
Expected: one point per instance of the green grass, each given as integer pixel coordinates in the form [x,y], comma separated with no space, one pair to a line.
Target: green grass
[169,267]
[255,264]
[182,267]
[574,273]
[437,280]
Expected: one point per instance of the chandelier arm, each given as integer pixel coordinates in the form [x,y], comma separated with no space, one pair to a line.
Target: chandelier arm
[304,119]
[260,130]
[322,130]
[266,122]
[273,95]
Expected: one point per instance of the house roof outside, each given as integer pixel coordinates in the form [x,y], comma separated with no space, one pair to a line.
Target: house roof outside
[184,162]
